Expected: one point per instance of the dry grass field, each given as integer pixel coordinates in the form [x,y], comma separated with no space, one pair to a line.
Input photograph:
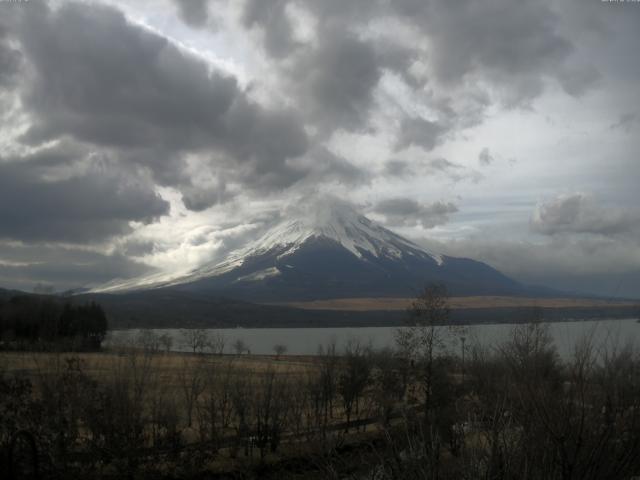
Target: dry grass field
[170,367]
[181,379]
[397,304]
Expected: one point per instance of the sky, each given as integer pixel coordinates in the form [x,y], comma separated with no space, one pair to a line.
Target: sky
[158,135]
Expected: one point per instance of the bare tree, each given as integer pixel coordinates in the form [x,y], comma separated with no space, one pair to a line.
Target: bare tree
[388,386]
[239,346]
[216,408]
[424,341]
[279,350]
[327,382]
[354,378]
[217,343]
[241,398]
[577,420]
[166,341]
[192,384]
[148,341]
[428,333]
[301,408]
[196,339]
[270,409]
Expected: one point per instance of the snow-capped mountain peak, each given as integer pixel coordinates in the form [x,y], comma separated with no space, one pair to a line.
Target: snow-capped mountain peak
[340,223]
[327,251]
[333,221]
[330,220]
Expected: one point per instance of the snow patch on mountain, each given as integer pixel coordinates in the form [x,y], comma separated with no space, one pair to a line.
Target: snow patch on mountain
[260,275]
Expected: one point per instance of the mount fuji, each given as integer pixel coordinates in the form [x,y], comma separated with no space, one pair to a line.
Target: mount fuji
[333,252]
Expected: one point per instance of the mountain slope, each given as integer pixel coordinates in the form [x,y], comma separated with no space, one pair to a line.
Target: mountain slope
[333,253]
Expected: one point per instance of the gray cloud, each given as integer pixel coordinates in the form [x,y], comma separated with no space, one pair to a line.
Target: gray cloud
[579,213]
[146,98]
[453,171]
[626,122]
[10,61]
[408,212]
[485,158]
[327,166]
[193,12]
[420,132]
[24,267]
[512,47]
[198,199]
[91,206]
[336,81]
[516,45]
[137,248]
[271,16]
[138,89]
[397,168]
[438,166]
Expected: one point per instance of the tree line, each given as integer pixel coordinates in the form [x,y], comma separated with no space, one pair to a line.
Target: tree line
[27,320]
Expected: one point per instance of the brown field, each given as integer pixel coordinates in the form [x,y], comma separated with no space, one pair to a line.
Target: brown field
[165,378]
[396,304]
[168,375]
[171,366]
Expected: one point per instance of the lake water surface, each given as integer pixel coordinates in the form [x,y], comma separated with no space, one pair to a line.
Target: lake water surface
[305,341]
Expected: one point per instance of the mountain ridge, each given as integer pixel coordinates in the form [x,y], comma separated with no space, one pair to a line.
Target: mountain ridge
[331,251]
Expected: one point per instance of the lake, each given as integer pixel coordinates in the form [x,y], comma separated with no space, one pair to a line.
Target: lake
[305,341]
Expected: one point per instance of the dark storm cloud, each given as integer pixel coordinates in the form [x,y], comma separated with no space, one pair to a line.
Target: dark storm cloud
[265,141]
[408,212]
[515,45]
[337,81]
[193,12]
[24,267]
[88,207]
[102,80]
[579,213]
[497,51]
